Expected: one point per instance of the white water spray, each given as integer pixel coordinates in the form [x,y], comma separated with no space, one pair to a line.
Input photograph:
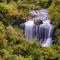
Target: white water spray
[42,31]
[29,26]
[46,33]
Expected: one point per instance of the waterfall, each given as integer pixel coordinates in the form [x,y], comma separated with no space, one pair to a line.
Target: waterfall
[42,32]
[45,33]
[29,28]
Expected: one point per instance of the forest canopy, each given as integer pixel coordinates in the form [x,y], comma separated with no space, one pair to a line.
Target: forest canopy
[13,44]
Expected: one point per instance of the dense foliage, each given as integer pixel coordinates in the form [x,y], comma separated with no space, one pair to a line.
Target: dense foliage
[13,44]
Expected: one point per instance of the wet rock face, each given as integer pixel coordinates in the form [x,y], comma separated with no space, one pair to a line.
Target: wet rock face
[38,22]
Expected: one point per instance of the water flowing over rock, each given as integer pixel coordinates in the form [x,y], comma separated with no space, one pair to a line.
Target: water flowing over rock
[42,32]
[46,30]
[29,29]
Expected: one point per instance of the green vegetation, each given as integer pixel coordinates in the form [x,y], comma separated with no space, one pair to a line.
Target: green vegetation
[13,44]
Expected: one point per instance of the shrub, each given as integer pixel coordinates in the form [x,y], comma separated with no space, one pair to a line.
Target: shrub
[6,13]
[2,33]
[48,55]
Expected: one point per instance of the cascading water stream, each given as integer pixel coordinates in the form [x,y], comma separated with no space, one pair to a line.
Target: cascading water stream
[41,32]
[46,28]
[29,28]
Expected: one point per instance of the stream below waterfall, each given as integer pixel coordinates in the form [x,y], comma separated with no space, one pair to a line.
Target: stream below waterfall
[42,32]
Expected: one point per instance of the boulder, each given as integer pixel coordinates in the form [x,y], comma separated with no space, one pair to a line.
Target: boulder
[38,22]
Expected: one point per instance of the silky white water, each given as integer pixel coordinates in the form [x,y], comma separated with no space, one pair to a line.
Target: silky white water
[41,32]
[46,28]
[29,26]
